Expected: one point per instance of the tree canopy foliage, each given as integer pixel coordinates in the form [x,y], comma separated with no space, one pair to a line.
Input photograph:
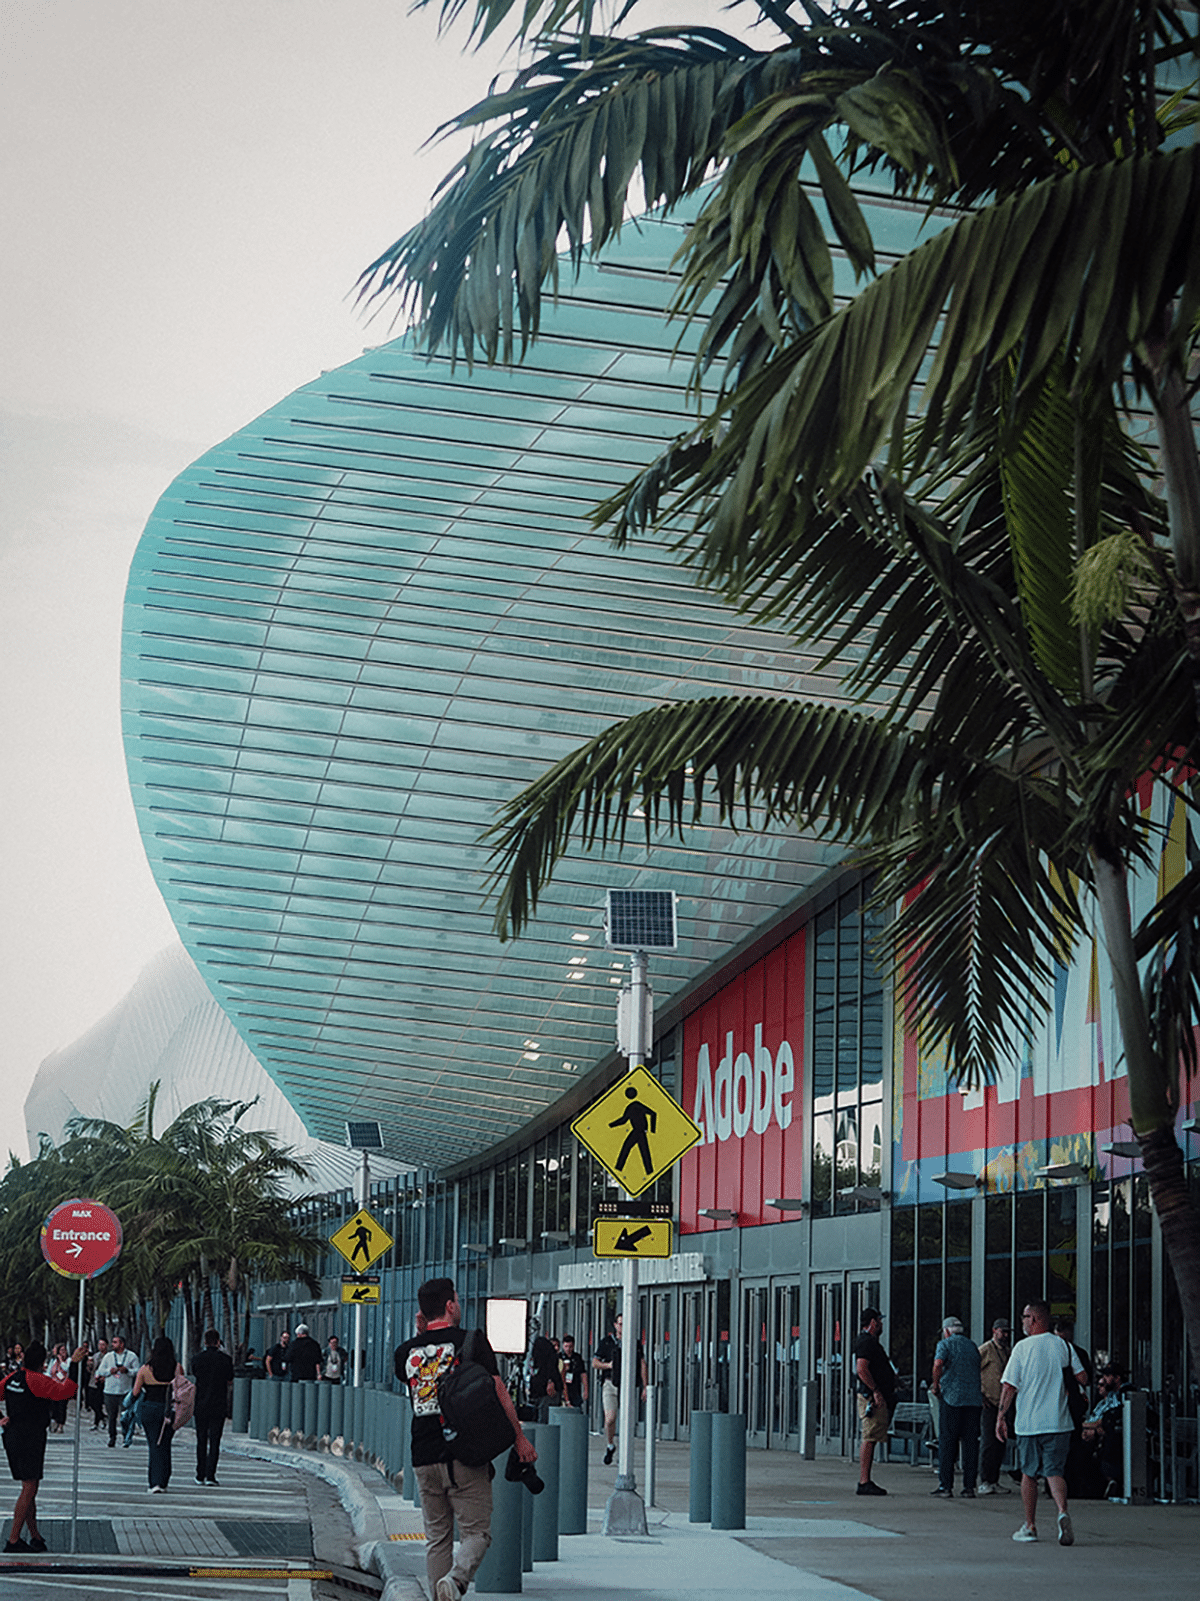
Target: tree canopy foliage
[203,1204]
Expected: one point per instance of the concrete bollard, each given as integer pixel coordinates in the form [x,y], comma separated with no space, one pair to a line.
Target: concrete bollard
[572,1469]
[729,1470]
[272,1395]
[700,1468]
[311,1389]
[527,1501]
[257,1409]
[337,1419]
[324,1405]
[240,1421]
[500,1571]
[548,1443]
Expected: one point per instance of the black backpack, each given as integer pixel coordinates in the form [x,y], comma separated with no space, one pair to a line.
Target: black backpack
[475,1426]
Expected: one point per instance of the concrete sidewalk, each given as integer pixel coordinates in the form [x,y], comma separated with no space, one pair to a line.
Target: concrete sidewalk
[808,1536]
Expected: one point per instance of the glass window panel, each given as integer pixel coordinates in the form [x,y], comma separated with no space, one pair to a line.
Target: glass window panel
[899,1340]
[904,1233]
[822,1163]
[929,1233]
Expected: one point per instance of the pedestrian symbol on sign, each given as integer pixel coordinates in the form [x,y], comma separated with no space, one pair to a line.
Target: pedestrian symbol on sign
[637,1130]
[642,1120]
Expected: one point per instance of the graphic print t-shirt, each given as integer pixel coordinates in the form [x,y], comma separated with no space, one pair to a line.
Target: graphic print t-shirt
[420,1363]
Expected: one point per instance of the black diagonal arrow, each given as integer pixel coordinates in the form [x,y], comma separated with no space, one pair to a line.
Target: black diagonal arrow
[629,1242]
[361,1295]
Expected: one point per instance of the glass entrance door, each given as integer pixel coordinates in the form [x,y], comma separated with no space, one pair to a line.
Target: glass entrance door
[756,1361]
[837,1303]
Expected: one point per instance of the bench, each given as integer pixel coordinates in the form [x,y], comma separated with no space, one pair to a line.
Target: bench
[910,1432]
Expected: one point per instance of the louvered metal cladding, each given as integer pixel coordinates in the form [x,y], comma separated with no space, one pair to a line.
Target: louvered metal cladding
[363,622]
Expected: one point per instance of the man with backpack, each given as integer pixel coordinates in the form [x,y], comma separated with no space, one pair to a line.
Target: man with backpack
[455,1475]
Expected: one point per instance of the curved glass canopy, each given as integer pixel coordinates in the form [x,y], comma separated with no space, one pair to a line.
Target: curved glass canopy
[360,624]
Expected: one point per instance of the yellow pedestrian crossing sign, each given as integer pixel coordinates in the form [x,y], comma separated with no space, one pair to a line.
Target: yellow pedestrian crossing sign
[362,1240]
[358,1291]
[631,1236]
[636,1130]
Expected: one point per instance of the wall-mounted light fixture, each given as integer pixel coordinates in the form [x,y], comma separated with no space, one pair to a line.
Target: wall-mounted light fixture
[787,1204]
[957,1181]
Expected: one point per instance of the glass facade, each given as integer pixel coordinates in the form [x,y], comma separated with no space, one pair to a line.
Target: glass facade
[847,1057]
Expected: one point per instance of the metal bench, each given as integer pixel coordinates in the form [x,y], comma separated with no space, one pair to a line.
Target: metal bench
[910,1432]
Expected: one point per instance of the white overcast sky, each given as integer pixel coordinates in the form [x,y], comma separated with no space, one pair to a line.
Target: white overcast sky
[189,189]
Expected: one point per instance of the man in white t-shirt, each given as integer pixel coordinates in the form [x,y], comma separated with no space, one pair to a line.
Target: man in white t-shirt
[116,1370]
[1035,1378]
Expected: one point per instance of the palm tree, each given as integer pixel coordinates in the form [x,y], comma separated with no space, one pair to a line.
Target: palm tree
[927,472]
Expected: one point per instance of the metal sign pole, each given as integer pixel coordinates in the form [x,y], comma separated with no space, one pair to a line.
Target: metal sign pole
[364,1185]
[81,1377]
[625,1512]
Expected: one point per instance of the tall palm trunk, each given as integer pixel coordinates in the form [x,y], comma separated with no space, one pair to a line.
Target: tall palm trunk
[1151,1101]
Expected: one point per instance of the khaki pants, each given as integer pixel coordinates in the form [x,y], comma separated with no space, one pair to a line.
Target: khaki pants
[469,1499]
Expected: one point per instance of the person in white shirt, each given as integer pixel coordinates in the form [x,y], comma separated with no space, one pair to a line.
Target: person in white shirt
[116,1369]
[1034,1378]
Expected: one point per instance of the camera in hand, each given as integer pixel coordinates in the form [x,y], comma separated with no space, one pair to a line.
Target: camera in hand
[515,1470]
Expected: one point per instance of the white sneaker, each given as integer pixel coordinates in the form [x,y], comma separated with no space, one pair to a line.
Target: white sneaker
[447,1590]
[1066,1534]
[1024,1535]
[986,1489]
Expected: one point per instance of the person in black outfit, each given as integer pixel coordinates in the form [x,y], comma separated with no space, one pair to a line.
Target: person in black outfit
[212,1369]
[304,1354]
[277,1357]
[574,1370]
[876,1386]
[545,1379]
[26,1396]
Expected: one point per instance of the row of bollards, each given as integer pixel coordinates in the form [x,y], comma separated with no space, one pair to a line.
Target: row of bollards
[365,1425]
[717,1464]
[371,1425]
[525,1527]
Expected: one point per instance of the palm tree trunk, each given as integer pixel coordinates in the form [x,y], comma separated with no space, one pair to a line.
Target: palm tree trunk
[1151,1107]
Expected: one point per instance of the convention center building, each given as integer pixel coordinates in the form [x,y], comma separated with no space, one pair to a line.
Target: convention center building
[358,627]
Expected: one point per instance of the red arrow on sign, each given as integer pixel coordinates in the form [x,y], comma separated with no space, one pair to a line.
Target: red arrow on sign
[81,1238]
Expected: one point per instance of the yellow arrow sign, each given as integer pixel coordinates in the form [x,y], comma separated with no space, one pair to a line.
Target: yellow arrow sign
[360,1294]
[362,1240]
[636,1130]
[631,1236]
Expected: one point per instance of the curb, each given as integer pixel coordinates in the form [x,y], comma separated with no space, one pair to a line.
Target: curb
[374,1551]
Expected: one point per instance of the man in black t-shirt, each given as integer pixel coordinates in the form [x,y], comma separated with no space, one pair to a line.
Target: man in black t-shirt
[212,1369]
[449,1489]
[876,1389]
[277,1357]
[574,1371]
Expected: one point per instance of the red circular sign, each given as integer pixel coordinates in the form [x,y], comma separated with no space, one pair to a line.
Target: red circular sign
[81,1238]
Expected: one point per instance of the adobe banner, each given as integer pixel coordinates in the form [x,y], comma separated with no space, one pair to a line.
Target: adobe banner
[741,1083]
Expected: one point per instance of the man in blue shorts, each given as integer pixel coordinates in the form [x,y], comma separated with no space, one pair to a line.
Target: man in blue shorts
[1035,1376]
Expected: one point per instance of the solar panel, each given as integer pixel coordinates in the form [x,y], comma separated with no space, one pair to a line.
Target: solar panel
[641,919]
[364,1136]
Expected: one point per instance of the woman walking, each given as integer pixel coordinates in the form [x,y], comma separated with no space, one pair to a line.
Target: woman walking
[152,1397]
[26,1396]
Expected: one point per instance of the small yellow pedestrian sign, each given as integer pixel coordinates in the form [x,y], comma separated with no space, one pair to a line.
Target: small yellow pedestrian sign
[362,1240]
[360,1291]
[631,1236]
[636,1130]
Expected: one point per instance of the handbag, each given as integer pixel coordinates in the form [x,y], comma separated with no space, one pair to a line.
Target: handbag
[1077,1403]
